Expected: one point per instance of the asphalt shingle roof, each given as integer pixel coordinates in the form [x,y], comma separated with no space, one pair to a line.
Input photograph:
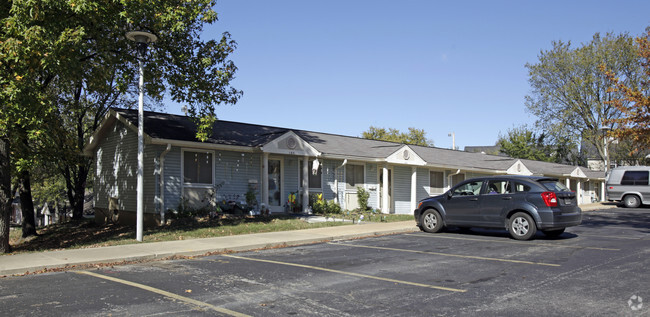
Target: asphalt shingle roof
[177,127]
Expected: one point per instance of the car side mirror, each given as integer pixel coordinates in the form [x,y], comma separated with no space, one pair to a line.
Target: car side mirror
[449,195]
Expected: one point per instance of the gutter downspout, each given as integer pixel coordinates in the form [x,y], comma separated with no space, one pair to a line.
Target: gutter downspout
[336,181]
[161,172]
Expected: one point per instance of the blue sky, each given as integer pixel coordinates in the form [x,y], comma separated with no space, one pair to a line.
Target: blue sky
[442,66]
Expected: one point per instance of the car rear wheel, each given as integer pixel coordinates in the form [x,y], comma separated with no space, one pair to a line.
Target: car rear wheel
[522,226]
[553,233]
[431,221]
[631,201]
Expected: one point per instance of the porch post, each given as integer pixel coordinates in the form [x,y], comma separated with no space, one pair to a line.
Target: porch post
[265,180]
[568,183]
[414,187]
[305,183]
[602,191]
[579,191]
[384,192]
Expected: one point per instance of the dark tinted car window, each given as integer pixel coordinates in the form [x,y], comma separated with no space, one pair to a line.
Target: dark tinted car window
[519,187]
[471,188]
[555,186]
[635,178]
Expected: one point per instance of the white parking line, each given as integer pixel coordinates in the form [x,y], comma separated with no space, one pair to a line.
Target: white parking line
[347,273]
[447,254]
[442,236]
[184,299]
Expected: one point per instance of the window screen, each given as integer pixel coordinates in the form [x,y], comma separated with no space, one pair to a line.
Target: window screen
[197,167]
[353,176]
[436,182]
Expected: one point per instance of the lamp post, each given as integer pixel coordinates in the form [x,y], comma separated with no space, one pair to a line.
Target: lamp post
[142,39]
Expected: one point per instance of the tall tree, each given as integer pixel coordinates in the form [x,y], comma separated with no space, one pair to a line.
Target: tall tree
[571,96]
[633,102]
[414,136]
[65,72]
[522,142]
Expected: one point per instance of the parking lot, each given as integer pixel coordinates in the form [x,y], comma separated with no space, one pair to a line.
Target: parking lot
[598,268]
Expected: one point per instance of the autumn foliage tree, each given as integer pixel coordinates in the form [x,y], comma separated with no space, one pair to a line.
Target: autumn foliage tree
[634,123]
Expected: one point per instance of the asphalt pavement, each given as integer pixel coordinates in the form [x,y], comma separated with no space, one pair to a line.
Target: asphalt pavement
[26,263]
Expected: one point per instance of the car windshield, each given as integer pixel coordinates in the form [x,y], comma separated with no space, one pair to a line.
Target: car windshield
[555,186]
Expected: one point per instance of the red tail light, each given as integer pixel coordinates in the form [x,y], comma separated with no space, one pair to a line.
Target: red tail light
[550,199]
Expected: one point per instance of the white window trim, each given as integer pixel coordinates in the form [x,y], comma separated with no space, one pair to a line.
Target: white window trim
[196,185]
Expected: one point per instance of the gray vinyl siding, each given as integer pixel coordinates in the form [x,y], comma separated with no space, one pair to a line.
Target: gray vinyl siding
[232,173]
[402,189]
[291,177]
[172,172]
[330,171]
[116,170]
[234,170]
[422,184]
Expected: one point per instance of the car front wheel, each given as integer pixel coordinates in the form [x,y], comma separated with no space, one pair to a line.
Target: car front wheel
[522,226]
[431,221]
[631,201]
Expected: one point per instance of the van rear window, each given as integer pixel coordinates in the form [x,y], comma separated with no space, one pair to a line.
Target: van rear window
[635,178]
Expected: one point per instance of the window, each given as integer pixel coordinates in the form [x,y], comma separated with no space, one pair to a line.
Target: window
[436,183]
[197,167]
[353,176]
[315,180]
[635,178]
[519,187]
[469,189]
[457,178]
[555,186]
[498,187]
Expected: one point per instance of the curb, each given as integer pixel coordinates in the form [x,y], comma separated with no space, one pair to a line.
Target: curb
[133,253]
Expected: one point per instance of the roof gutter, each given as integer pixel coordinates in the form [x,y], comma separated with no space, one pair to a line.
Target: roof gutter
[208,146]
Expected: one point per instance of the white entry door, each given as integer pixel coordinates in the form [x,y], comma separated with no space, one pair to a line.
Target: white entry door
[275,186]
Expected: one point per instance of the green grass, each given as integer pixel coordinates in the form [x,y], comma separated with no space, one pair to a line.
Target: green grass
[87,234]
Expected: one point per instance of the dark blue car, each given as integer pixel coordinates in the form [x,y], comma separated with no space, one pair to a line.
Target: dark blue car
[520,204]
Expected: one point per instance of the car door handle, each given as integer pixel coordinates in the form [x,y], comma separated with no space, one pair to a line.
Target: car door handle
[473,199]
[507,198]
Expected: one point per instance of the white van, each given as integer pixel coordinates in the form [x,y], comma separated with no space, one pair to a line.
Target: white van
[629,184]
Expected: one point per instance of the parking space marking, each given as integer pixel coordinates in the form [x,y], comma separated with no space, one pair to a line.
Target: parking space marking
[439,236]
[612,237]
[184,299]
[449,289]
[447,254]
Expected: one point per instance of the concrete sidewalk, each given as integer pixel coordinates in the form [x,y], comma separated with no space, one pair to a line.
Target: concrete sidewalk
[77,258]
[51,260]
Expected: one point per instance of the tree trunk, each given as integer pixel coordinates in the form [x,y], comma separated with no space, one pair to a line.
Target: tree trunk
[27,205]
[5,195]
[76,188]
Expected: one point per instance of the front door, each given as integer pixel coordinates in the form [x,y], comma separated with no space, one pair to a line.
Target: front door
[275,185]
[463,205]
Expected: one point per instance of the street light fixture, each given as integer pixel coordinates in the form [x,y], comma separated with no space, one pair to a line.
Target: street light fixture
[142,39]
